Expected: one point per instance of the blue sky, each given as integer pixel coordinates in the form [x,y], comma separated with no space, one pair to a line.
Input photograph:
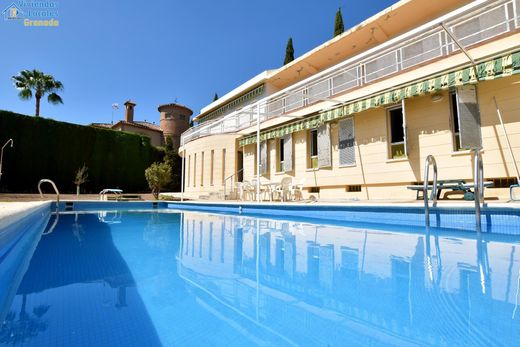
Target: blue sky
[156,52]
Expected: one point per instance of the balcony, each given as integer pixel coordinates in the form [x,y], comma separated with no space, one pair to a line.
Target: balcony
[476,22]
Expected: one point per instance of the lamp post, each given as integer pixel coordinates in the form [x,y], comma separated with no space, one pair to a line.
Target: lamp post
[2,155]
[115,107]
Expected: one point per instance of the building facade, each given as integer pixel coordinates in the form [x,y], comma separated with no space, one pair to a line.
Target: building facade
[174,120]
[356,117]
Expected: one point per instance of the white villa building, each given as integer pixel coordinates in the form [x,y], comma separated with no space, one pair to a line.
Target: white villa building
[356,117]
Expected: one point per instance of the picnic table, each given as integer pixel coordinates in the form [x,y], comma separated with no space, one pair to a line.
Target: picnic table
[455,187]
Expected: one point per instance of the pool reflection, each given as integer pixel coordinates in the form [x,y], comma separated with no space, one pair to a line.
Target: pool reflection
[319,285]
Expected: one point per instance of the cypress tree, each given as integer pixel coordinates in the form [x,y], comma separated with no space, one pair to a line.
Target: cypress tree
[338,24]
[215,98]
[289,52]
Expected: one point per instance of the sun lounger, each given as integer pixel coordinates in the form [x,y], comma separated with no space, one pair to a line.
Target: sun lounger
[131,197]
[110,194]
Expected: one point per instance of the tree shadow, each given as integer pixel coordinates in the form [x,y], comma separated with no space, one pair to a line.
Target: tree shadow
[79,287]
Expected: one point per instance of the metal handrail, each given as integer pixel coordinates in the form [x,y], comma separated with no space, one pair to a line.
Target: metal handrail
[45,180]
[430,160]
[227,178]
[478,189]
[2,154]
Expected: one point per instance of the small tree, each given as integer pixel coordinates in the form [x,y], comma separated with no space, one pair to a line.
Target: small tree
[81,177]
[215,98]
[338,23]
[158,176]
[289,52]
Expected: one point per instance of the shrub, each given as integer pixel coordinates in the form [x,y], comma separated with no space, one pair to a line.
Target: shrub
[45,148]
[158,175]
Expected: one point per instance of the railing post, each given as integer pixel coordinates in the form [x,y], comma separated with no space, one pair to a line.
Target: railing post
[478,189]
[258,161]
[430,160]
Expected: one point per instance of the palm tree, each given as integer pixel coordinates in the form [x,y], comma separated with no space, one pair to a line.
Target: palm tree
[28,81]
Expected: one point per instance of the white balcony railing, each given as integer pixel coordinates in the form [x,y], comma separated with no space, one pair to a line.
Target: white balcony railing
[471,24]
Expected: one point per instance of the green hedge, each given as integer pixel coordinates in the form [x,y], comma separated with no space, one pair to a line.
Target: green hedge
[44,148]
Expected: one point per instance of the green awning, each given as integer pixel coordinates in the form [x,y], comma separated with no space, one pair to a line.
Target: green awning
[492,69]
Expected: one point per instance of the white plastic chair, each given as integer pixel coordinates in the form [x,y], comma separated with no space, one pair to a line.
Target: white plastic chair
[245,190]
[284,189]
[297,190]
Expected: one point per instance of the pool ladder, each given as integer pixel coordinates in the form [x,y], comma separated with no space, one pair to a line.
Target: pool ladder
[430,160]
[45,180]
[478,189]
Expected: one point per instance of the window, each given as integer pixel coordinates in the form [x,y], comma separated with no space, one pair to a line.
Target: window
[195,169]
[468,114]
[223,165]
[212,167]
[280,167]
[189,170]
[346,142]
[202,169]
[396,122]
[284,154]
[354,188]
[264,164]
[455,121]
[313,149]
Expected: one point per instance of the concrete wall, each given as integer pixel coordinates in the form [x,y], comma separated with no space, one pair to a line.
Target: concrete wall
[198,172]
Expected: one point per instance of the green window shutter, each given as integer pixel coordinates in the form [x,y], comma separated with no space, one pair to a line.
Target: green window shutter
[324,155]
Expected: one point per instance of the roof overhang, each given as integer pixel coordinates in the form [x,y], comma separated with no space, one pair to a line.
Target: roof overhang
[243,88]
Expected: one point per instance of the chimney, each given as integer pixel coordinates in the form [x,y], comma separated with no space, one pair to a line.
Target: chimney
[129,111]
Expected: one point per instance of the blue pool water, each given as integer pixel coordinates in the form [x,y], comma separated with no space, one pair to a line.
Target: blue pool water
[166,277]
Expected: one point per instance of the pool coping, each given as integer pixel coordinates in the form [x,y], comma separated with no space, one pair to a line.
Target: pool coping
[375,204]
[13,212]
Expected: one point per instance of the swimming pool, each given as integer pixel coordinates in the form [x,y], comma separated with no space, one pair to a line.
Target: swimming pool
[153,275]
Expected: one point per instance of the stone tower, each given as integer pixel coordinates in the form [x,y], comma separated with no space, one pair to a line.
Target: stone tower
[175,119]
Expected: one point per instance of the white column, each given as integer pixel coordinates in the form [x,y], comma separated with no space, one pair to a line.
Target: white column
[258,152]
[182,174]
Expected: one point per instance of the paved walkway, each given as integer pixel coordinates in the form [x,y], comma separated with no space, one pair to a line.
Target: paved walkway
[149,197]
[36,197]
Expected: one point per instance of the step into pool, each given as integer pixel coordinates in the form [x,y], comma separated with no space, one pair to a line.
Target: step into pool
[134,275]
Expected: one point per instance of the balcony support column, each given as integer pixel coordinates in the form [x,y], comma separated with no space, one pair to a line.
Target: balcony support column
[258,164]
